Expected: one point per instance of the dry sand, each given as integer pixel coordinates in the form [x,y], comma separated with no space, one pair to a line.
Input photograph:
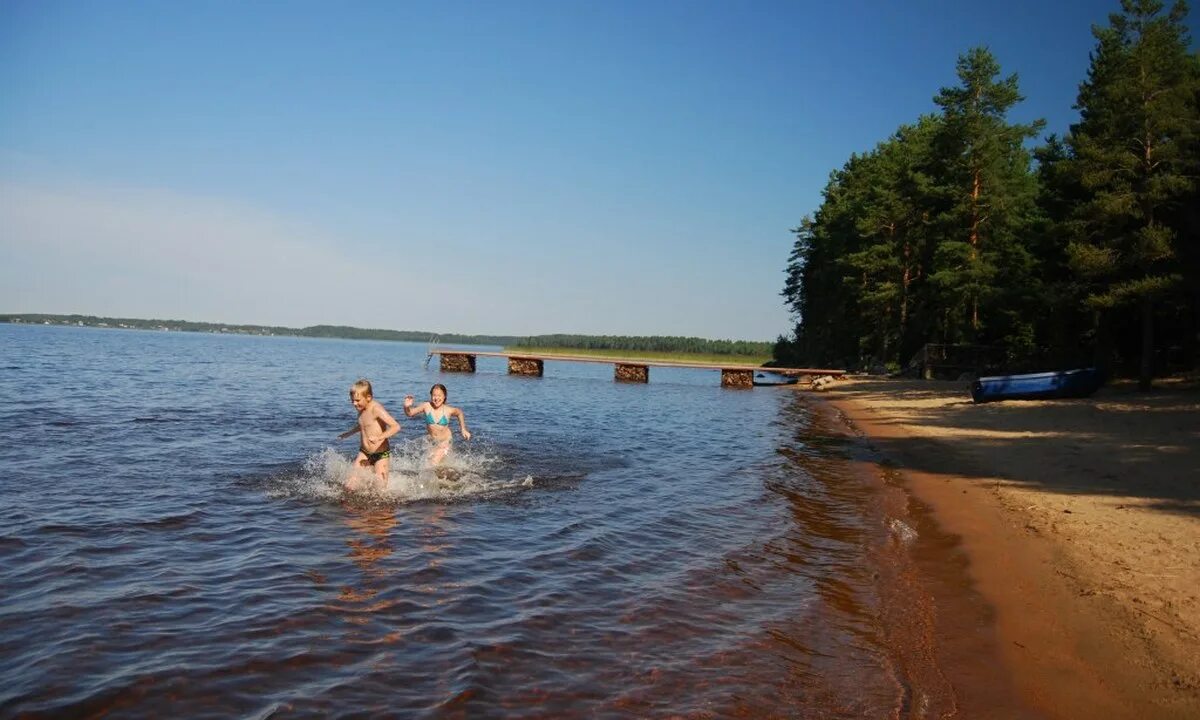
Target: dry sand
[1081,522]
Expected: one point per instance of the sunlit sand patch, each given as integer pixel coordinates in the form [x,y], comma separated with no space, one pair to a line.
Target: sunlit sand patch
[1017,434]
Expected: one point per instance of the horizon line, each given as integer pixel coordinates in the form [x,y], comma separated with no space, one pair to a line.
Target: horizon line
[5,315]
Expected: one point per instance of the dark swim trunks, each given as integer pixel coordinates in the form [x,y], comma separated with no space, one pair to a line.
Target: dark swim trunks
[375,457]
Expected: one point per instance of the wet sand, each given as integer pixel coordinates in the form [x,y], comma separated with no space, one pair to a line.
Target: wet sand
[1080,524]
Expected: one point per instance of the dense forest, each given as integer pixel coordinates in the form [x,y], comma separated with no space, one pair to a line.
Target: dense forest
[960,230]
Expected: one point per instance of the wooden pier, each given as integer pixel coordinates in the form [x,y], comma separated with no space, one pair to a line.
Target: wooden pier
[624,370]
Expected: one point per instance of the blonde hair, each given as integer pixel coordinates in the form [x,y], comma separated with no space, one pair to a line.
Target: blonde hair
[362,386]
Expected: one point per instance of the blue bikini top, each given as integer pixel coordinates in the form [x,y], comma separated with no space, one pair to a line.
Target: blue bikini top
[430,421]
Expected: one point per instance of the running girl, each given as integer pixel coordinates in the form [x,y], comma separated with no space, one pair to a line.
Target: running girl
[437,421]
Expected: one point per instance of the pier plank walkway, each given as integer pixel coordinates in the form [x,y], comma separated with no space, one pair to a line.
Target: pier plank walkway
[625,369]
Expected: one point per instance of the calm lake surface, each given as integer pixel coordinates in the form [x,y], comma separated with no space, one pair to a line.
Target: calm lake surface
[174,541]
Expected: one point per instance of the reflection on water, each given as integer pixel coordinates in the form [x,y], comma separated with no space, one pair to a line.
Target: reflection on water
[369,544]
[598,549]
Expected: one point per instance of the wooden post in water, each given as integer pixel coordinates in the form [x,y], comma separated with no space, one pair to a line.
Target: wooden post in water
[525,366]
[458,362]
[737,378]
[625,372]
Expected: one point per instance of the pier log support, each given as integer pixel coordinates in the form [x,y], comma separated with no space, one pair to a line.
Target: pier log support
[456,362]
[631,373]
[737,378]
[525,366]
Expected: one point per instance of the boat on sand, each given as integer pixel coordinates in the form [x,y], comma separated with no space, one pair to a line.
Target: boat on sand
[1037,386]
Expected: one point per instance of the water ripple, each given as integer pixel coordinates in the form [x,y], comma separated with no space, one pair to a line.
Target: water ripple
[195,552]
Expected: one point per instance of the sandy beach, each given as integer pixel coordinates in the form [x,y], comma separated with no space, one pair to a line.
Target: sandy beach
[1080,520]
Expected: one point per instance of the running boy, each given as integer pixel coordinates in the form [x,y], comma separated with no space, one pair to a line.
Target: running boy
[376,426]
[437,421]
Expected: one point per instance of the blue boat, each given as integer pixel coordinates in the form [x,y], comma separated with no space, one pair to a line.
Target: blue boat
[1037,386]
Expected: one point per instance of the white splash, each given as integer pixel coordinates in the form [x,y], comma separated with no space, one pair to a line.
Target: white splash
[902,532]
[464,473]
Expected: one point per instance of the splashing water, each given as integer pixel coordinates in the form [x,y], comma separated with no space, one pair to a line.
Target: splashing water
[200,554]
[465,473]
[902,532]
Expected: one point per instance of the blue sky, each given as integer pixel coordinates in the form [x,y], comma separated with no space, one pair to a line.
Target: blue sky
[480,167]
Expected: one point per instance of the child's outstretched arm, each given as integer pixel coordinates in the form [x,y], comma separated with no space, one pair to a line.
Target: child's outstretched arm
[410,409]
[462,424]
[349,432]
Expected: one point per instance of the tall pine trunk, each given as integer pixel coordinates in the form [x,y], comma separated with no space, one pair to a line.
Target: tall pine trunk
[1146,366]
[1146,363]
[1104,343]
[975,186]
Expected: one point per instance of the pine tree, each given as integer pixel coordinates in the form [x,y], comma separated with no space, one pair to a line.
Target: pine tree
[829,321]
[1138,117]
[1065,331]
[892,214]
[990,195]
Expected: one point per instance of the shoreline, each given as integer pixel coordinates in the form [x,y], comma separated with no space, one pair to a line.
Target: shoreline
[1080,522]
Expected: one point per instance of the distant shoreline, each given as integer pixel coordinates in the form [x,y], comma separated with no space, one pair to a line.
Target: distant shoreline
[653,345]
[319,331]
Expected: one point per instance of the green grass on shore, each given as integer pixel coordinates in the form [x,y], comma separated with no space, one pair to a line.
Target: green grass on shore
[645,355]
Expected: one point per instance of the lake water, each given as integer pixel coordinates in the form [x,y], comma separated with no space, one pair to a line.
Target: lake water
[174,541]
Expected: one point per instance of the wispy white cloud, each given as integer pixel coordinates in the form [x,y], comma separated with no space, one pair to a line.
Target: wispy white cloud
[75,247]
[153,253]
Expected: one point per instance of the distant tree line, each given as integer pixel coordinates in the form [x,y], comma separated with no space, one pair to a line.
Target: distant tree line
[1083,250]
[650,343]
[591,342]
[316,331]
[353,333]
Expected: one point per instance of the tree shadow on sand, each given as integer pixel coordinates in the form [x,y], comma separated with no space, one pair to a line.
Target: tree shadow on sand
[1118,442]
